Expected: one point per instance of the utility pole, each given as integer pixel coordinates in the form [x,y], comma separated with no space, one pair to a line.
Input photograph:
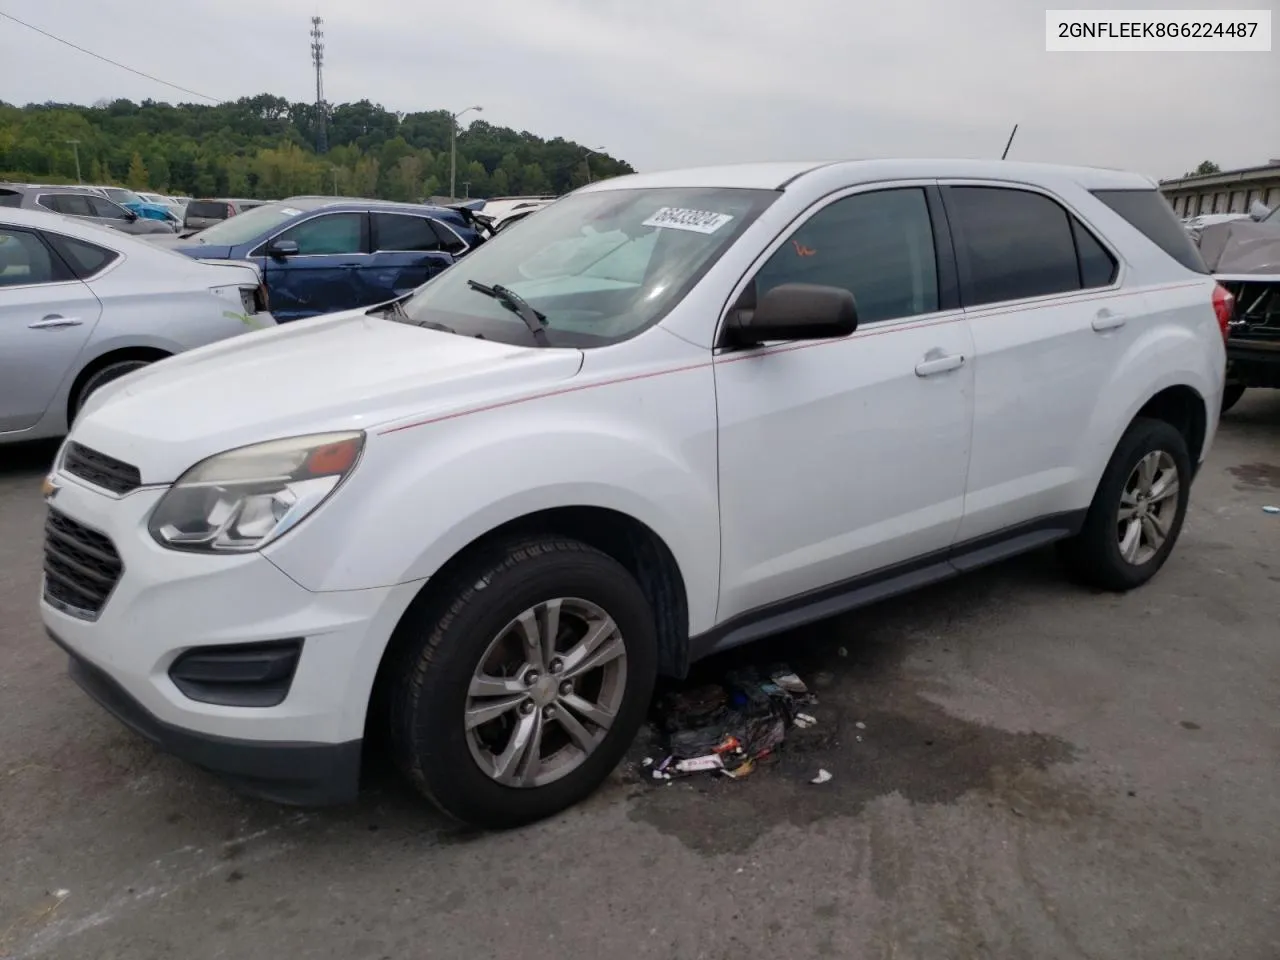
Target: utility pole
[453,149]
[586,160]
[466,185]
[317,57]
[75,148]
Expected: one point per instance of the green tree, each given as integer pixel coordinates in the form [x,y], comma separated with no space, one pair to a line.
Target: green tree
[137,178]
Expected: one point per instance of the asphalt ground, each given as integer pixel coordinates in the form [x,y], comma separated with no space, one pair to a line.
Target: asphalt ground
[1043,772]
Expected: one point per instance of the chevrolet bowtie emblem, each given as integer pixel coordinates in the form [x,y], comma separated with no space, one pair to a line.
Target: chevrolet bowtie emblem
[49,489]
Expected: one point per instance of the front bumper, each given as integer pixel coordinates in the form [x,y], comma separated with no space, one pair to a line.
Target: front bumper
[305,749]
[307,774]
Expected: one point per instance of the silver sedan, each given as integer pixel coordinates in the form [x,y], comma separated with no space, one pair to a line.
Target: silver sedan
[82,305]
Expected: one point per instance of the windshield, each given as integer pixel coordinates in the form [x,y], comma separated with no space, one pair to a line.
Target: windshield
[246,226]
[120,195]
[599,267]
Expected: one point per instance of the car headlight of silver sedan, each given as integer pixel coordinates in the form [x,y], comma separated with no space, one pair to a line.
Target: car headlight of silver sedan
[241,500]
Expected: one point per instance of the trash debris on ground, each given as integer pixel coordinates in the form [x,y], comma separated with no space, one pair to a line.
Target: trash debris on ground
[860,725]
[727,728]
[822,777]
[1270,509]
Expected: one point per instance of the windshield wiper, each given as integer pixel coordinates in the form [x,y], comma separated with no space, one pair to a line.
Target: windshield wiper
[396,308]
[517,304]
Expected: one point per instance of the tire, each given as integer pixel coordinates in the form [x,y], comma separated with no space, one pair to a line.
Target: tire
[444,647]
[1231,395]
[1095,556]
[100,378]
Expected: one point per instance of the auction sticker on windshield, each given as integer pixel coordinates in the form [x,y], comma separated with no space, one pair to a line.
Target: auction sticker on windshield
[697,221]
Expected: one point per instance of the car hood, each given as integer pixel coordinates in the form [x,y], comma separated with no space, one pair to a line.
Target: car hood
[346,371]
[198,251]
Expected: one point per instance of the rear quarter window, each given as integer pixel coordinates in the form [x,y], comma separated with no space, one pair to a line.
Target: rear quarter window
[85,259]
[1149,213]
[10,198]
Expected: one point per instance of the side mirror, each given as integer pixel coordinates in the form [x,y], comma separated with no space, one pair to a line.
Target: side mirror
[1259,211]
[283,248]
[129,214]
[794,311]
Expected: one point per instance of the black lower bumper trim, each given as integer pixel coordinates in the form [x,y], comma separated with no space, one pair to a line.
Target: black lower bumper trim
[302,774]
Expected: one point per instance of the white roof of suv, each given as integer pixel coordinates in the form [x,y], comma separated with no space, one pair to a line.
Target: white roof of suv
[774,176]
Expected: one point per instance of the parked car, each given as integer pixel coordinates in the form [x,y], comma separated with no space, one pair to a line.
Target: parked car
[131,201]
[81,306]
[1244,254]
[201,214]
[322,254]
[81,205]
[484,518]
[176,208]
[504,211]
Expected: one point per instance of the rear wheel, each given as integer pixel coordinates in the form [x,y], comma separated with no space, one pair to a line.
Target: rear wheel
[1137,511]
[101,377]
[521,697]
[1231,395]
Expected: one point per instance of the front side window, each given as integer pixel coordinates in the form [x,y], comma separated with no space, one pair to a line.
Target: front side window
[334,233]
[25,260]
[107,210]
[599,266]
[400,232]
[1011,244]
[120,195]
[450,242]
[878,246]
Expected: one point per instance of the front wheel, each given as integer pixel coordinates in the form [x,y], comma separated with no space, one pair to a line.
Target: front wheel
[520,698]
[1137,511]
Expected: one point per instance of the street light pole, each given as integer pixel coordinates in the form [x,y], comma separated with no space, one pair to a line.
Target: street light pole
[453,148]
[586,160]
[75,148]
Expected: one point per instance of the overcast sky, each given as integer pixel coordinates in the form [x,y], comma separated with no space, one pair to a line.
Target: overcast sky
[669,83]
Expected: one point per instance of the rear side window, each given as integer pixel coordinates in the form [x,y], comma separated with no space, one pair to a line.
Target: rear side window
[24,260]
[398,232]
[85,258]
[10,198]
[1011,244]
[207,210]
[1149,212]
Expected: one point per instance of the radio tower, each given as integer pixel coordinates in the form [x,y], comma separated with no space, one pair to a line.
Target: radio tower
[317,57]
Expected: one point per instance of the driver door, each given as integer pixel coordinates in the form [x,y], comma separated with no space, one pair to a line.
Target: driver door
[323,276]
[841,459]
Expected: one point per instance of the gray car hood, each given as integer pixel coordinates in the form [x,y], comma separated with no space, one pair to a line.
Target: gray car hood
[1242,247]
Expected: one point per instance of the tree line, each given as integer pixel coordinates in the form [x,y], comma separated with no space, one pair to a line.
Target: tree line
[264,147]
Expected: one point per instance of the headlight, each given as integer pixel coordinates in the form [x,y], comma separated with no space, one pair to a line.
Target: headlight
[241,500]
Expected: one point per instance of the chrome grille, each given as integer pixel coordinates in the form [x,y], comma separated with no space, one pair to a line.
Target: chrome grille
[81,567]
[100,469]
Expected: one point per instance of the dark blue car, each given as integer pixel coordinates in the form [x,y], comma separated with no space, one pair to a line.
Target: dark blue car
[325,254]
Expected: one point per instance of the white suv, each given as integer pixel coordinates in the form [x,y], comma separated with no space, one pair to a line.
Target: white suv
[672,413]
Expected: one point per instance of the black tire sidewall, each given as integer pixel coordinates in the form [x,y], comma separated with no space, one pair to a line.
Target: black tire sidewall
[1102,544]
[1231,395]
[441,761]
[100,378]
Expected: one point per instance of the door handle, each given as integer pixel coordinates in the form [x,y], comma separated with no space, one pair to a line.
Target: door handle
[927,368]
[1106,320]
[53,321]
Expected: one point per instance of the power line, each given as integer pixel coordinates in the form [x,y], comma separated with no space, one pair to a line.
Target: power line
[98,56]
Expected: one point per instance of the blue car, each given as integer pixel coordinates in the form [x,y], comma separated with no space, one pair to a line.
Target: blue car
[131,201]
[325,254]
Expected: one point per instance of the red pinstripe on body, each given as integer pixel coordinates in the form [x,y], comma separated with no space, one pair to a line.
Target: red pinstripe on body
[788,348]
